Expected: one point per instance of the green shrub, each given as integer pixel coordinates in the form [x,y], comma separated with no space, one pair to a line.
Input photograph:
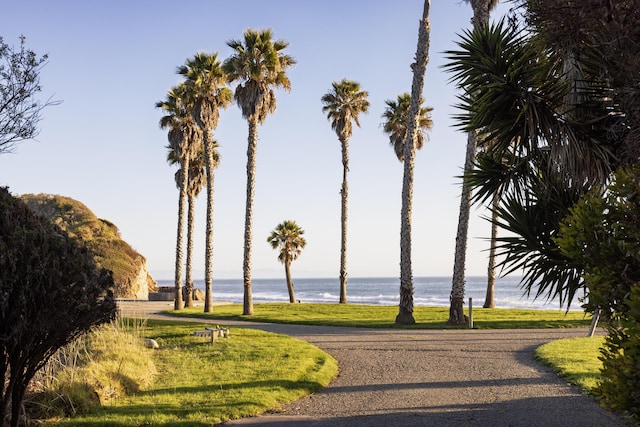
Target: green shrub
[619,388]
[602,236]
[51,292]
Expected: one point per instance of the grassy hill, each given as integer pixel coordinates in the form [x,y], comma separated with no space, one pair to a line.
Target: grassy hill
[111,252]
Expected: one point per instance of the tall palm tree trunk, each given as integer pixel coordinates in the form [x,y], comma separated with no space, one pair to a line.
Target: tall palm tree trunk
[208,268]
[248,222]
[188,297]
[456,309]
[287,273]
[178,304]
[405,311]
[344,199]
[489,300]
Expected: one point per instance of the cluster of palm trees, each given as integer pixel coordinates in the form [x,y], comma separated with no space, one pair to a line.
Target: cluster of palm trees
[191,109]
[555,111]
[552,95]
[258,66]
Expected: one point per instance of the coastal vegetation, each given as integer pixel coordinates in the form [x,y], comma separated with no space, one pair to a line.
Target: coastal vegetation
[549,100]
[259,65]
[380,316]
[186,381]
[552,94]
[205,92]
[419,67]
[51,291]
[186,149]
[481,13]
[106,385]
[102,237]
[576,360]
[20,107]
[396,126]
[343,104]
[287,238]
[396,120]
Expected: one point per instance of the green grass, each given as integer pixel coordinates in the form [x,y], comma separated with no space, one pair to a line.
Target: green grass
[199,384]
[376,316]
[574,359]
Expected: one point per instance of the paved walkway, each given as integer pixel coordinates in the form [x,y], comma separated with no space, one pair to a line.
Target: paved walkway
[429,378]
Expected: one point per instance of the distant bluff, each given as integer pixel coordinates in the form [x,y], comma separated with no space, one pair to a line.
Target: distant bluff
[132,280]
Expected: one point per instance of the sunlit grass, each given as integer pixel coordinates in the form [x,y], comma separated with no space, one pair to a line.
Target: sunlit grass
[376,316]
[108,363]
[574,359]
[200,384]
[196,383]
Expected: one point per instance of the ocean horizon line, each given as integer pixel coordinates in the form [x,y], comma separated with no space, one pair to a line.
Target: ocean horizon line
[428,291]
[437,276]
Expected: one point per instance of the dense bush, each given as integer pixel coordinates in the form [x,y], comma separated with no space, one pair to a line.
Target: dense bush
[619,388]
[603,236]
[50,293]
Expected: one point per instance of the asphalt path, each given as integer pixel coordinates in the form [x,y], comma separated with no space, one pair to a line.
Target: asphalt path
[392,377]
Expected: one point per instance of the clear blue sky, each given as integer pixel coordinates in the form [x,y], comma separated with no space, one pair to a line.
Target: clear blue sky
[110,61]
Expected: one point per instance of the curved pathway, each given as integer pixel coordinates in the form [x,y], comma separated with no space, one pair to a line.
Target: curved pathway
[429,378]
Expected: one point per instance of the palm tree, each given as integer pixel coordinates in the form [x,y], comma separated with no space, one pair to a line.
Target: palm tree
[206,82]
[197,180]
[183,138]
[405,307]
[396,116]
[481,9]
[344,103]
[287,237]
[489,299]
[259,65]
[517,93]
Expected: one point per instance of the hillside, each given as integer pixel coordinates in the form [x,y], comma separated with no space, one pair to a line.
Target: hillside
[129,268]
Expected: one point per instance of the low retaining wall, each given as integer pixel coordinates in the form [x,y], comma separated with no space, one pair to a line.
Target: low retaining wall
[161,296]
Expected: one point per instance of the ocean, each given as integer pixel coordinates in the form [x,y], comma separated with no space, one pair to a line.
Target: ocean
[428,291]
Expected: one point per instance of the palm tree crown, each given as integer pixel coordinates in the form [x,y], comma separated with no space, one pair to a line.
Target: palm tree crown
[206,82]
[343,103]
[287,237]
[259,65]
[396,116]
[184,136]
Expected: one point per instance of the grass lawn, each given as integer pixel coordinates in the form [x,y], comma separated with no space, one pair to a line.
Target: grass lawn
[377,316]
[199,384]
[574,359]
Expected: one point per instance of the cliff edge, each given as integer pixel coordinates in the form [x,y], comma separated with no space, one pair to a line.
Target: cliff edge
[132,280]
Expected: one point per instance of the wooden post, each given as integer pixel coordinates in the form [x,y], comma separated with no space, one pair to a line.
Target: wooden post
[470,313]
[594,322]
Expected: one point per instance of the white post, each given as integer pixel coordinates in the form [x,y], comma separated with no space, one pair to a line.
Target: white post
[470,313]
[594,322]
